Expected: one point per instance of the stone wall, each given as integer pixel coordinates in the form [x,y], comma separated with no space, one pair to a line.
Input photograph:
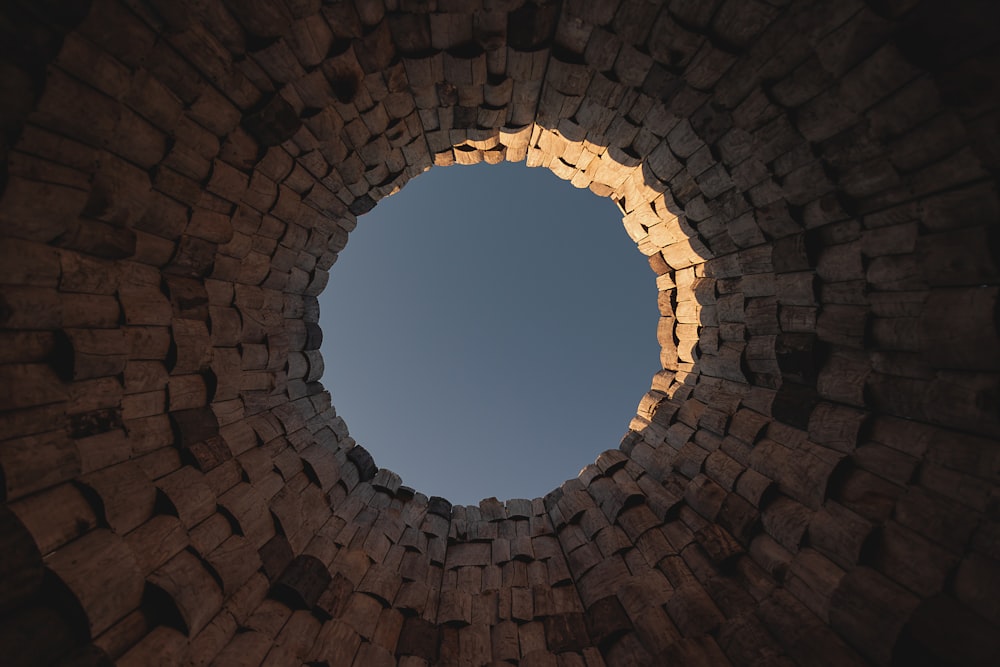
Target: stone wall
[811,478]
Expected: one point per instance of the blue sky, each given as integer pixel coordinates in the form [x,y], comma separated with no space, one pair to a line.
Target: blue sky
[488,331]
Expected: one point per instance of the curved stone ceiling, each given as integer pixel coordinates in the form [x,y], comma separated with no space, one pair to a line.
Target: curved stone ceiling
[811,478]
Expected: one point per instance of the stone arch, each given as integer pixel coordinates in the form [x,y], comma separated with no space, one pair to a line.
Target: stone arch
[810,477]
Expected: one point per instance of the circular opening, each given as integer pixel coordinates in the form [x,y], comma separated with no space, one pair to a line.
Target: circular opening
[489,331]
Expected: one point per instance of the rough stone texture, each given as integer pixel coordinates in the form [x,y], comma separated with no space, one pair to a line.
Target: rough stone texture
[811,479]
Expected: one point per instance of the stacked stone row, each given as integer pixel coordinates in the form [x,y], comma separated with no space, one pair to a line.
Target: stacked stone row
[810,477]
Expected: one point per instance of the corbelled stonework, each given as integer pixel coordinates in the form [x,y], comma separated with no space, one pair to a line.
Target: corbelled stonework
[811,479]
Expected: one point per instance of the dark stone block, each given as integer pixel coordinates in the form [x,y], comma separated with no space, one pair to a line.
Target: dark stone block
[275,556]
[302,583]
[419,638]
[272,122]
[362,205]
[364,462]
[439,506]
